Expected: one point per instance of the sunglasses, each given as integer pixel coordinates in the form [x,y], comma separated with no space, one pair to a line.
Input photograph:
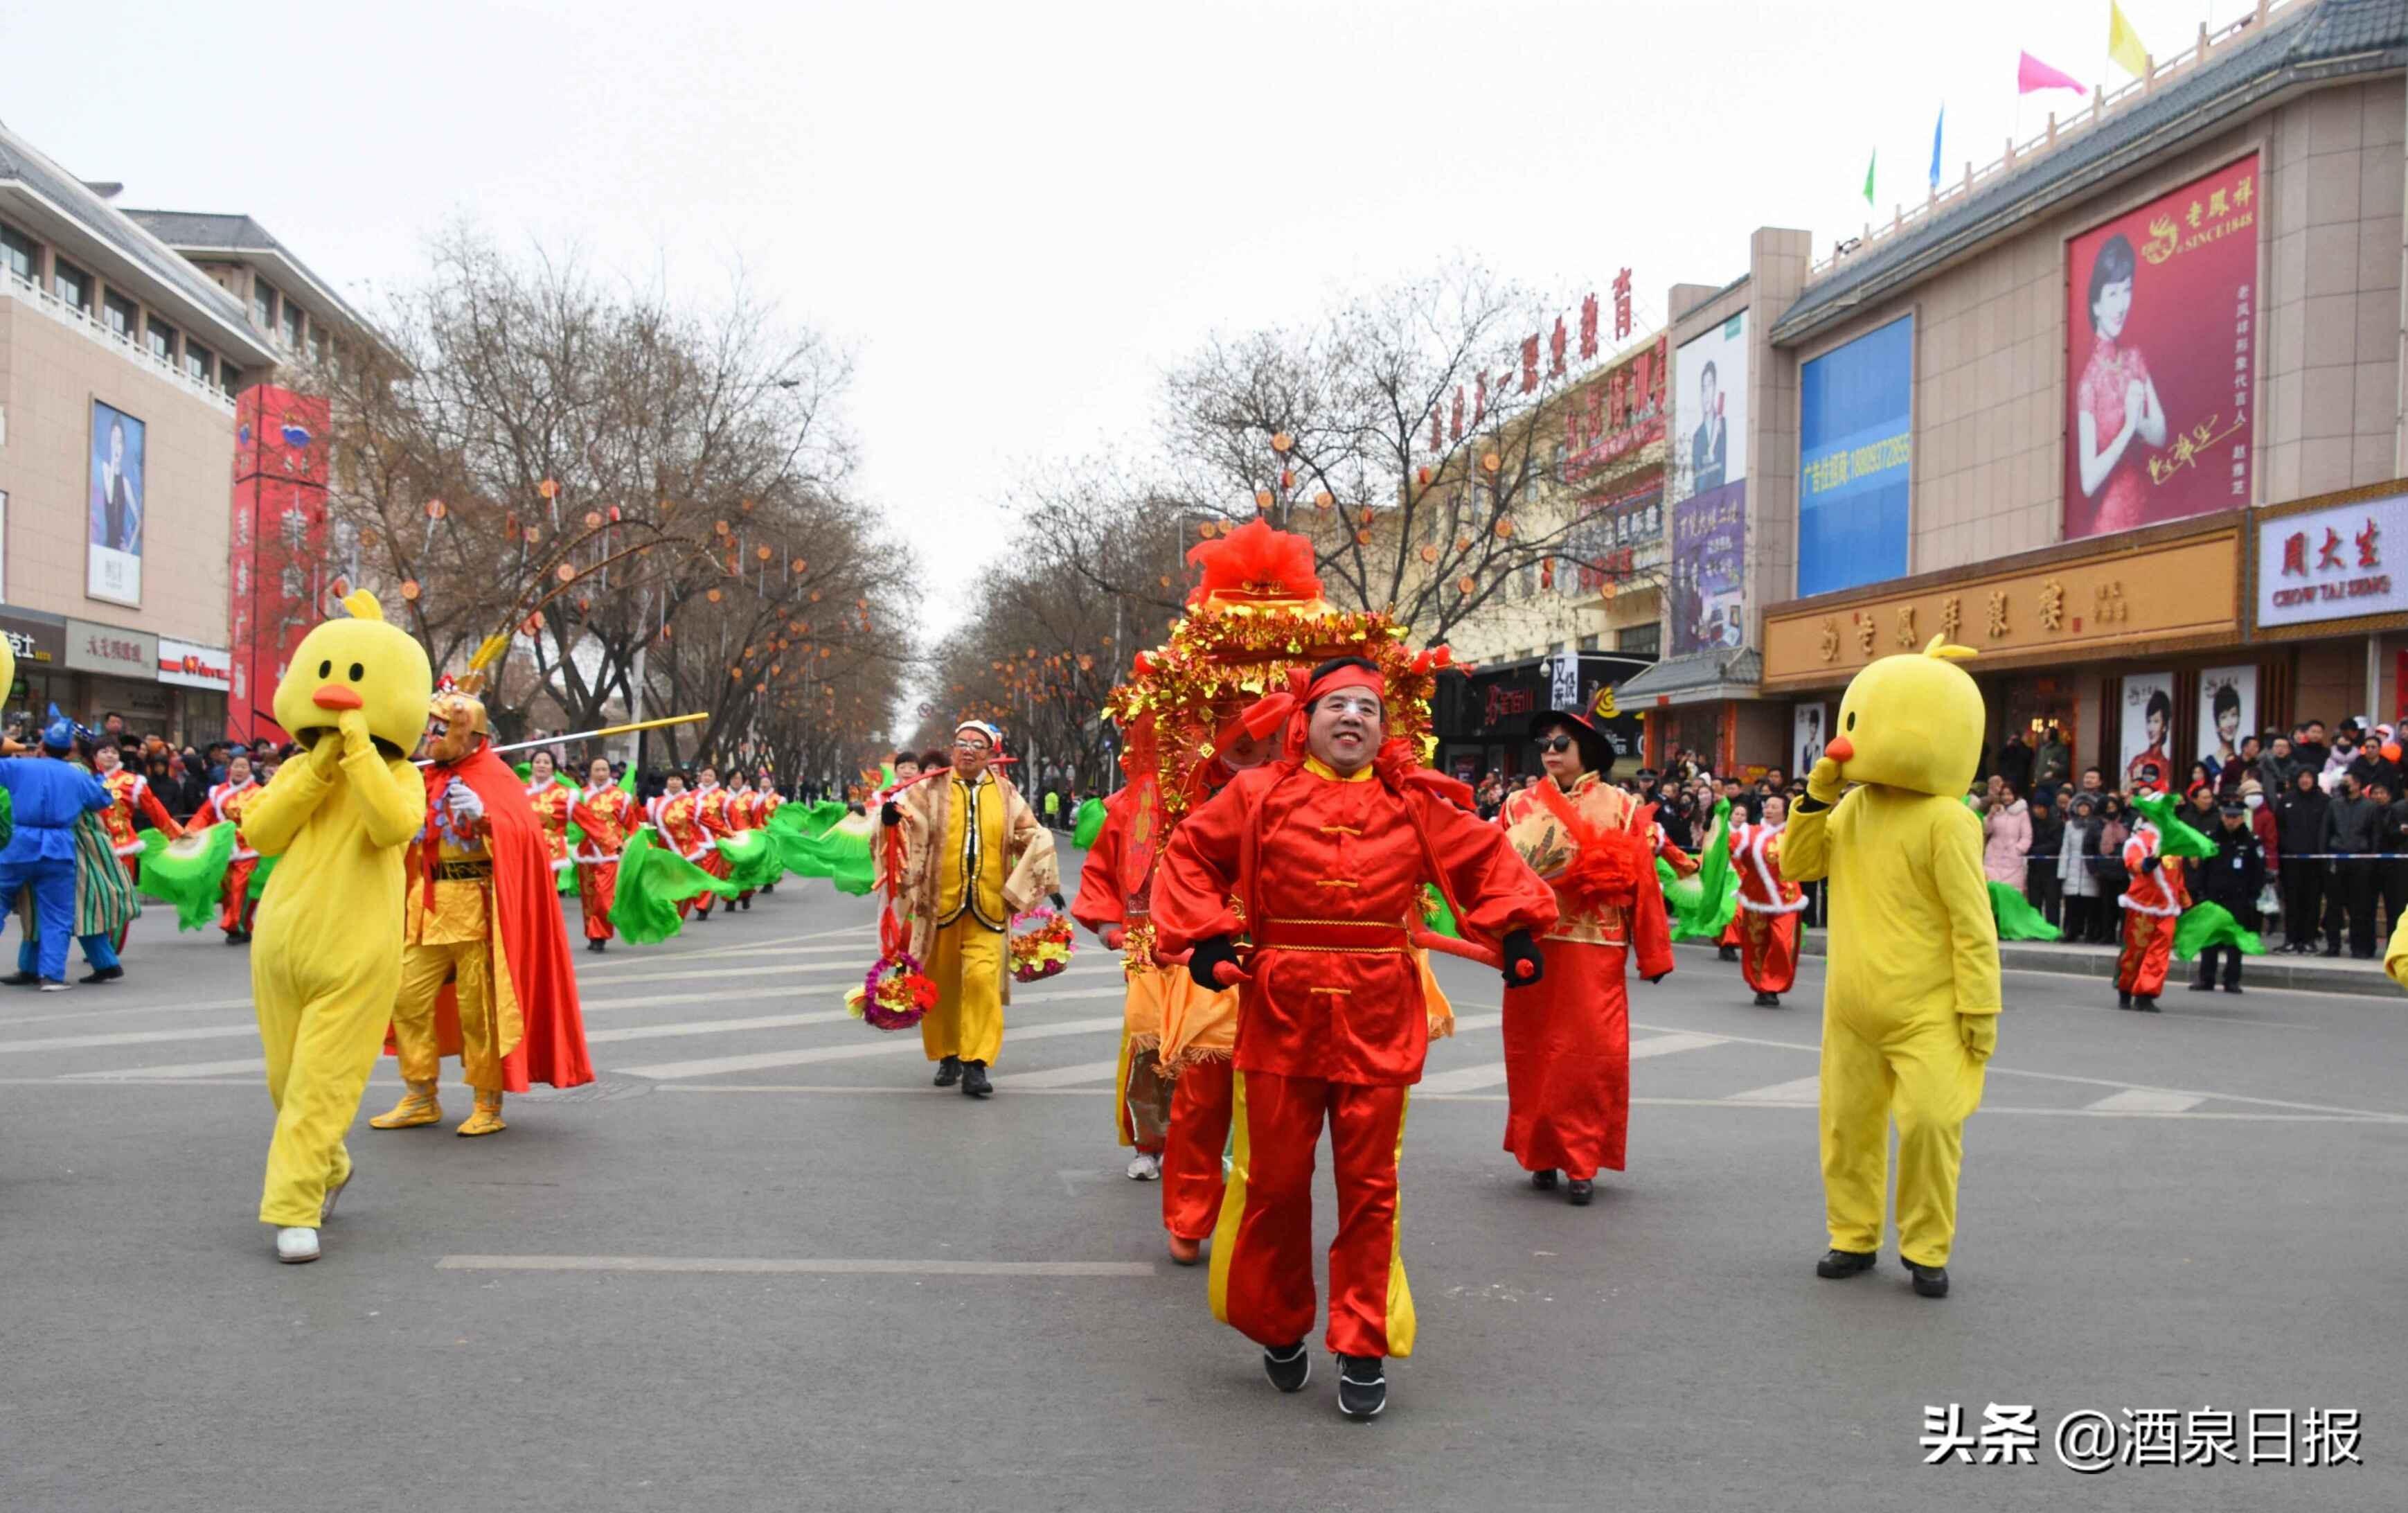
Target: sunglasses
[1556,743]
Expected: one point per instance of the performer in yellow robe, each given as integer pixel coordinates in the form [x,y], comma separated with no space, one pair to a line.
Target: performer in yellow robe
[974,854]
[1911,1001]
[328,954]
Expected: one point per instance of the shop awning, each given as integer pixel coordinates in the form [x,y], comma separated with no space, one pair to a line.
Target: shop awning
[1706,678]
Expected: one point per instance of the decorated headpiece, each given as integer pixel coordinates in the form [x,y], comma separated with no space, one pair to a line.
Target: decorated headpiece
[61,733]
[455,722]
[994,736]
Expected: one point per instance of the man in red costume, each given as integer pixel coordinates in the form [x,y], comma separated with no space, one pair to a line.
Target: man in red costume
[1568,1039]
[1320,859]
[607,815]
[1768,907]
[2153,903]
[481,926]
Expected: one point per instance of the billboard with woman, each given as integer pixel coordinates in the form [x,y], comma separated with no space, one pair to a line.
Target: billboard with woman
[2160,346]
[2148,730]
[119,501]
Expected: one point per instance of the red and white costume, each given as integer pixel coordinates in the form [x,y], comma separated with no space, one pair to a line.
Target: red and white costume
[552,802]
[130,797]
[681,820]
[226,802]
[1568,1036]
[1768,907]
[2153,902]
[1324,875]
[609,816]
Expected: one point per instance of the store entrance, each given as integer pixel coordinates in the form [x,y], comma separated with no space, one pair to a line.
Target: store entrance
[2029,707]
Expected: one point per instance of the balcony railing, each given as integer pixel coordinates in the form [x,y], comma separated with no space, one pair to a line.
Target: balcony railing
[2103,104]
[69,315]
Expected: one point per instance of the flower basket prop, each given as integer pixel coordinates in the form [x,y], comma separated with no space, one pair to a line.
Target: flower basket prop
[1041,944]
[894,995]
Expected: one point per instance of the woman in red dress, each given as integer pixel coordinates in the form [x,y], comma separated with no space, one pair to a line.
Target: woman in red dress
[2115,402]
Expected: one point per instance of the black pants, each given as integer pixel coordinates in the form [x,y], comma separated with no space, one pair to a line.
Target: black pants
[2391,884]
[2081,917]
[2303,886]
[2351,902]
[2231,955]
[2045,890]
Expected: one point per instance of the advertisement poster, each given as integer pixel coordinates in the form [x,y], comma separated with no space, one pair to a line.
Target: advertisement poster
[2228,711]
[2330,564]
[1709,566]
[1806,723]
[2161,343]
[1709,410]
[1856,460]
[2148,725]
[113,561]
[1611,539]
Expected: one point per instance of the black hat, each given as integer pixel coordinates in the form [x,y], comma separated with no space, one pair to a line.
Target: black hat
[1596,752]
[2232,806]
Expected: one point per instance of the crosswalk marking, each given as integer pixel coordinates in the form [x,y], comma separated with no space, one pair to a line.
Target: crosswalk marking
[182,1068]
[905,1043]
[1063,1076]
[2146,1100]
[1667,1044]
[1466,1022]
[1463,1079]
[714,1026]
[1796,1090]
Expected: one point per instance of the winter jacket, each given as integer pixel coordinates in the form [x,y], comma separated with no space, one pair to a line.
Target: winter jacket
[2010,836]
[2350,824]
[2052,764]
[2233,875]
[2391,828]
[2077,853]
[2300,819]
[2047,837]
[2014,764]
[2371,767]
[2261,823]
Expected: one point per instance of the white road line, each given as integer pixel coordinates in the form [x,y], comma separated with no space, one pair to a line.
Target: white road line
[872,1089]
[1666,1045]
[126,1037]
[1461,1080]
[1062,1076]
[904,1044]
[1987,1110]
[1806,1090]
[185,1068]
[2145,1101]
[714,1026]
[1477,1021]
[759,1266]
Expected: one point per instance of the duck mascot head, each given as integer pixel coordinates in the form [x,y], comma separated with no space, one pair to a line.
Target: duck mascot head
[1912,722]
[364,664]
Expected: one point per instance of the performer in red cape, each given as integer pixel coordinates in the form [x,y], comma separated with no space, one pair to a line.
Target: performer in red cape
[607,815]
[482,926]
[1320,859]
[1768,907]
[1567,1038]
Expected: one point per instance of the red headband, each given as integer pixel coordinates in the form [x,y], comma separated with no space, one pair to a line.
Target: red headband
[1347,677]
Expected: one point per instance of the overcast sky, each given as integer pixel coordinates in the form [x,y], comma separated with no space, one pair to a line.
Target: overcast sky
[1019,214]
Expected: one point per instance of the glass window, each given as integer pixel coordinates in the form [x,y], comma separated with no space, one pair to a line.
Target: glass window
[197,362]
[1646,641]
[119,315]
[263,304]
[1588,643]
[318,344]
[160,337]
[229,379]
[17,253]
[293,325]
[71,285]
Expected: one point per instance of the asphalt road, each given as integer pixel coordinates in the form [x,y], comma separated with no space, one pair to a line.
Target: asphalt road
[2194,1209]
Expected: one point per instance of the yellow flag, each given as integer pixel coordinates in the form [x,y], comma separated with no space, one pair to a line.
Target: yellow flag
[2124,44]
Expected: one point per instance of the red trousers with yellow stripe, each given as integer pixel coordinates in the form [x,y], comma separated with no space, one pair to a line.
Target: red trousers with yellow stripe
[1200,1108]
[1262,1250]
[2148,946]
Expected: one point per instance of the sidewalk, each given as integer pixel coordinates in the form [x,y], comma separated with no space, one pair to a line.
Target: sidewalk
[2317,973]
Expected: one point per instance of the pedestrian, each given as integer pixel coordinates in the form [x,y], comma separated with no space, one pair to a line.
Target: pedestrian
[2052,763]
[1053,809]
[2308,748]
[2275,767]
[2077,873]
[2300,822]
[2374,763]
[2006,825]
[2014,763]
[2229,777]
[2231,878]
[2107,864]
[2038,883]
[2350,835]
[2391,842]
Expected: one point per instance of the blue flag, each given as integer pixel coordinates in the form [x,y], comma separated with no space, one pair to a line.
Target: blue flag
[1935,148]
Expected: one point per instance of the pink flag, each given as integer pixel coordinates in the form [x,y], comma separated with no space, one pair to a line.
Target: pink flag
[2031,73]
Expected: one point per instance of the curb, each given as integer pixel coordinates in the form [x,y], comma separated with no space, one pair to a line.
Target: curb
[2314,975]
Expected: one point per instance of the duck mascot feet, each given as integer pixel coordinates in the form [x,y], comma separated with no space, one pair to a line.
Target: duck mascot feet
[325,958]
[1910,1005]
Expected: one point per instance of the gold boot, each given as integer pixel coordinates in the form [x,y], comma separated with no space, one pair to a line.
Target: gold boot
[487,1118]
[417,1106]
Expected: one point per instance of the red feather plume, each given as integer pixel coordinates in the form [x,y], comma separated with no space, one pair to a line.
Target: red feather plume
[1256,562]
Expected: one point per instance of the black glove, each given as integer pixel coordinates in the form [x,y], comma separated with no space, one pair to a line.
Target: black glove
[1210,953]
[2150,864]
[1058,903]
[1518,948]
[889,814]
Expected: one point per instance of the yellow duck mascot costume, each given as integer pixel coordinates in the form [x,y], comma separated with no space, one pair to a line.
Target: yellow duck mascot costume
[1911,1001]
[326,959]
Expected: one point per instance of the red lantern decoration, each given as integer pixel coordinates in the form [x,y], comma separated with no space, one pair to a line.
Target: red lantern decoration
[436,508]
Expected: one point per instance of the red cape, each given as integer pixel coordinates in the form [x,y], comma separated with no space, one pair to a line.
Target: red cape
[528,929]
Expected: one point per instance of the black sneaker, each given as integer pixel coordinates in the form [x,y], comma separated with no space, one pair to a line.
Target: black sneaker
[21,979]
[1544,1181]
[1929,1281]
[1768,1001]
[102,974]
[1579,1192]
[1362,1386]
[1289,1369]
[2145,1003]
[2203,988]
[1727,953]
[1837,1263]
[2123,1001]
[594,944]
[2233,987]
[949,1071]
[974,1083]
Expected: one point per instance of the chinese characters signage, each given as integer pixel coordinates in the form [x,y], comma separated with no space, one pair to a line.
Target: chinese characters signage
[1709,564]
[1617,537]
[190,665]
[112,649]
[2332,564]
[1616,414]
[2160,339]
[1855,462]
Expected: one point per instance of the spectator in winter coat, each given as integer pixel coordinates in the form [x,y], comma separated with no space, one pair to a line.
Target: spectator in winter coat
[2300,821]
[2274,768]
[2040,869]
[2391,839]
[2371,766]
[2350,827]
[2008,826]
[2344,751]
[2052,764]
[2232,877]
[2261,824]
[2308,747]
[2077,872]
[2014,762]
[2229,778]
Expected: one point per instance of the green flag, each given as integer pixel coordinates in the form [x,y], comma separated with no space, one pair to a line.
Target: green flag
[1868,175]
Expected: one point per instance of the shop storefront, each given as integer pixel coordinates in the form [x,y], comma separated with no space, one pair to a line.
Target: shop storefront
[1483,718]
[40,642]
[2131,647]
[117,673]
[2329,596]
[197,679]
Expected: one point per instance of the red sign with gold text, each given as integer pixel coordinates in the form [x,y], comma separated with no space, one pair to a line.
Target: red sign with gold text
[2161,351]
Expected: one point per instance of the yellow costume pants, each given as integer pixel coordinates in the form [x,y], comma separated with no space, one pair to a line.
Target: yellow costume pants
[967,969]
[320,1049]
[1918,1073]
[424,969]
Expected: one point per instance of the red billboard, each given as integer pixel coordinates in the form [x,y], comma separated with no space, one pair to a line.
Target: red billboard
[2161,346]
[280,575]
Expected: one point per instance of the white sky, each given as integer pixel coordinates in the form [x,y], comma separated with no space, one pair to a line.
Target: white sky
[1019,214]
